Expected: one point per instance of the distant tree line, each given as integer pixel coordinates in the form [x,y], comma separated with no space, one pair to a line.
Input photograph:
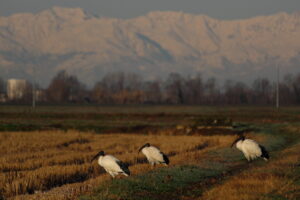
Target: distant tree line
[131,88]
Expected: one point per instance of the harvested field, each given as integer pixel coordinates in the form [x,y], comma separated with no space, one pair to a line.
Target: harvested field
[37,162]
[45,154]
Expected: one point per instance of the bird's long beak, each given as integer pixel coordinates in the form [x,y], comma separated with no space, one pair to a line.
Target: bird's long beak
[235,141]
[232,144]
[95,157]
[140,149]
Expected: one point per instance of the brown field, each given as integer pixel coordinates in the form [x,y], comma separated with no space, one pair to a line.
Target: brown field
[273,181]
[56,164]
[40,162]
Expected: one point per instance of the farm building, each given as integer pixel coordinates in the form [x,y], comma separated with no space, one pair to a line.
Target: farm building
[16,88]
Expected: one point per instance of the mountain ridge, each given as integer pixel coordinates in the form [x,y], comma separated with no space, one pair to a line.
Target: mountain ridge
[152,45]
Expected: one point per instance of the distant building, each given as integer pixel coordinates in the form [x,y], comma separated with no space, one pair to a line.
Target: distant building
[3,98]
[16,88]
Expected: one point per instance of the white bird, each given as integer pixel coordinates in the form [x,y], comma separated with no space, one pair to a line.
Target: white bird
[111,164]
[154,155]
[250,148]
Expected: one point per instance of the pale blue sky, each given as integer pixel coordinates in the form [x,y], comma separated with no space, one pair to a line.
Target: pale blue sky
[222,9]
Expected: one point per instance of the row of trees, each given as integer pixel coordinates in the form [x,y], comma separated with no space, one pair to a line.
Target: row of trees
[130,88]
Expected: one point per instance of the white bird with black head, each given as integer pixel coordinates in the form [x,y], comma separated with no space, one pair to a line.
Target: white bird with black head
[250,148]
[111,164]
[154,155]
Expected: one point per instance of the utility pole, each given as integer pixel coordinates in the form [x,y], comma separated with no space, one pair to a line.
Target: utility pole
[277,88]
[33,89]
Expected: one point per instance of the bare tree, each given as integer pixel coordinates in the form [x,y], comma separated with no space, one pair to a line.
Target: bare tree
[114,82]
[236,93]
[211,91]
[262,89]
[65,88]
[101,94]
[132,82]
[194,89]
[2,86]
[286,90]
[174,88]
[296,87]
[153,93]
[130,88]
[120,88]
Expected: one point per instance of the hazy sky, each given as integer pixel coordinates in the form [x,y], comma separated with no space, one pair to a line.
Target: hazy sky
[223,9]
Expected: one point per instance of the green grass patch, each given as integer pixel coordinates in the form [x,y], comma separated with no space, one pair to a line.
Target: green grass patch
[18,127]
[274,197]
[101,118]
[166,183]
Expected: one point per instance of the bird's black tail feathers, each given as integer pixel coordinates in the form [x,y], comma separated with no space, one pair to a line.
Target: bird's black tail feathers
[166,159]
[124,167]
[264,153]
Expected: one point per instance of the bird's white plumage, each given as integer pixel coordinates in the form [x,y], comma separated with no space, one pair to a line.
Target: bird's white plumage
[250,148]
[153,155]
[110,164]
